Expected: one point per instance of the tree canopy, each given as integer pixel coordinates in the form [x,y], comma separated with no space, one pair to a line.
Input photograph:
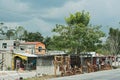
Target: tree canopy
[113,41]
[31,36]
[19,33]
[77,35]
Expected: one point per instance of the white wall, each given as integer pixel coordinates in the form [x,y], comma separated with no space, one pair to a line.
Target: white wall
[10,44]
[28,48]
[47,70]
[7,60]
[6,52]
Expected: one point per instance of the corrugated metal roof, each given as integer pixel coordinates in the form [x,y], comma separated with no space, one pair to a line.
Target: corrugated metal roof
[27,55]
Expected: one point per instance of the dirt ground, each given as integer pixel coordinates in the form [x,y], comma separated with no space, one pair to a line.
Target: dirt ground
[44,77]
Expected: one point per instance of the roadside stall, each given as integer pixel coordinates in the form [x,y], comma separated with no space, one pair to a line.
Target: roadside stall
[24,61]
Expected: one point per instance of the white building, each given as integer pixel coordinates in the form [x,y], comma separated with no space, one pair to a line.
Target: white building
[8,45]
[6,50]
[13,50]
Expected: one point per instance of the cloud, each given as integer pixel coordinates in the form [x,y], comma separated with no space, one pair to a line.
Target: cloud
[45,4]
[13,11]
[11,24]
[33,25]
[7,16]
[37,15]
[14,6]
[100,10]
[103,12]
[59,12]
[38,25]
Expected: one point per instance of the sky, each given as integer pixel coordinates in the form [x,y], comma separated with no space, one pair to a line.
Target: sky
[43,15]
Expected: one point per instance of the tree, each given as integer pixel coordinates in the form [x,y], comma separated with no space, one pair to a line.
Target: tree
[19,32]
[1,26]
[10,33]
[113,41]
[49,43]
[30,36]
[77,35]
[25,35]
[3,30]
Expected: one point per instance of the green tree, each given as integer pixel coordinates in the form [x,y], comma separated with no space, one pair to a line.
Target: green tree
[1,30]
[19,32]
[50,45]
[10,33]
[113,41]
[77,35]
[25,35]
[31,36]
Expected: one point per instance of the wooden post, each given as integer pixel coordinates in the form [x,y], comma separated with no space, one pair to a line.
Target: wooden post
[58,62]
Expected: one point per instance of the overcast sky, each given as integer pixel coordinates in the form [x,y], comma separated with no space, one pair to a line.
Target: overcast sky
[43,15]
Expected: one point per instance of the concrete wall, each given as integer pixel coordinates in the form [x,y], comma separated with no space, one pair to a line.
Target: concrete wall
[46,70]
[7,60]
[45,65]
[10,44]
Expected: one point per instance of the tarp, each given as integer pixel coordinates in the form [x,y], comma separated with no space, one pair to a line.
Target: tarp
[21,56]
[24,55]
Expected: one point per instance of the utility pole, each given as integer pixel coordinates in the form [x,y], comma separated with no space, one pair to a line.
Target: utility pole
[2,61]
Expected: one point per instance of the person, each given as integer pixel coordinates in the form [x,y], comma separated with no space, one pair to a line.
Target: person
[22,66]
[98,63]
[103,64]
[21,78]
